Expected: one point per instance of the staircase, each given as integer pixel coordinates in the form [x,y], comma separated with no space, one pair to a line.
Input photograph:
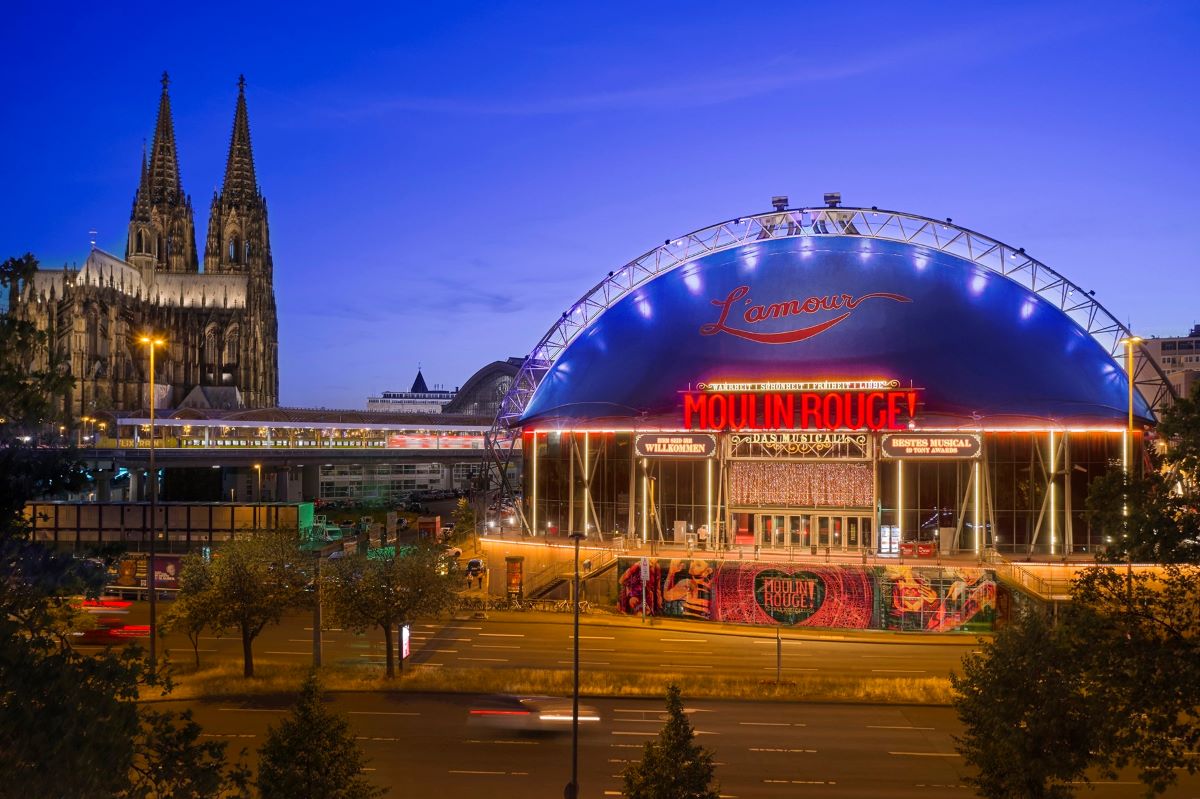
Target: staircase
[1026,581]
[545,581]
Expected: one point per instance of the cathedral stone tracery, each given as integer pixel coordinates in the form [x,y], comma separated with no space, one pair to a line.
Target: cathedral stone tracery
[219,324]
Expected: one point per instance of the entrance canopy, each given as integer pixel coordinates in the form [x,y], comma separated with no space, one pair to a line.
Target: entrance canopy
[826,296]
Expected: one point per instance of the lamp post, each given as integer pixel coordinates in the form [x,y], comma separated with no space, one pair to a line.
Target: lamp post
[153,343]
[258,493]
[1129,342]
[572,789]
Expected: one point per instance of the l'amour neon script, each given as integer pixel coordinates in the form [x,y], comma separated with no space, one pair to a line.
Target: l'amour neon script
[840,410]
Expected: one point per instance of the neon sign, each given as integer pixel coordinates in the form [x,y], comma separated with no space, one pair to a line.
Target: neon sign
[754,314]
[805,410]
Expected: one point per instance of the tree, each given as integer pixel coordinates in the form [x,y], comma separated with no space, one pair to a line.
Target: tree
[1030,724]
[312,754]
[70,725]
[252,582]
[195,605]
[464,519]
[362,593]
[1143,662]
[171,760]
[1180,428]
[674,766]
[1144,519]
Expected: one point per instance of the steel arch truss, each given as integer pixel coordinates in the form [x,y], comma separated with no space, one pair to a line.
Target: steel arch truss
[868,223]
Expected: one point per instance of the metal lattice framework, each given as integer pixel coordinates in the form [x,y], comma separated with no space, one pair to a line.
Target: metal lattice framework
[868,223]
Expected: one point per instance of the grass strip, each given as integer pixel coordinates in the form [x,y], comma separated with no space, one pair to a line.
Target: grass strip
[285,678]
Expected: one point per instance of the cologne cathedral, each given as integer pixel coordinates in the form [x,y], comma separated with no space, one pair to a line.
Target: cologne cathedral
[218,323]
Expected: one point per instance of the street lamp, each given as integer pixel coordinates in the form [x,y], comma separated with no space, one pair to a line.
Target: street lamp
[572,789]
[153,343]
[258,494]
[1129,342]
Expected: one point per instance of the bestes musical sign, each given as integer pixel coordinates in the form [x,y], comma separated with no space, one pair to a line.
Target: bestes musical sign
[802,410]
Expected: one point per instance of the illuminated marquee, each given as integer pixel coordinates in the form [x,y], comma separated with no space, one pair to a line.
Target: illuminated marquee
[804,410]
[908,445]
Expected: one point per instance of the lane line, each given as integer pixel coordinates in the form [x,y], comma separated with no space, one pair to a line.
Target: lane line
[685,640]
[894,727]
[788,751]
[493,660]
[926,754]
[496,646]
[502,741]
[593,637]
[445,651]
[792,668]
[381,713]
[502,635]
[771,724]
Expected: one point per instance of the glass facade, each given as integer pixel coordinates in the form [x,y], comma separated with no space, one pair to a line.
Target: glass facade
[1029,496]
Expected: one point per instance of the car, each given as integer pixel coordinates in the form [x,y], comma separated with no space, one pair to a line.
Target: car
[528,713]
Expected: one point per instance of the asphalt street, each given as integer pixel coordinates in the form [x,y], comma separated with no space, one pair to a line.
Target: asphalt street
[426,745]
[544,640]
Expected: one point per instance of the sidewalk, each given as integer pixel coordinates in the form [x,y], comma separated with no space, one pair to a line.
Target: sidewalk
[607,619]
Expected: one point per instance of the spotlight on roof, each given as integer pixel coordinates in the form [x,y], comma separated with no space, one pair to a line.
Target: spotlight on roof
[780,201]
[833,198]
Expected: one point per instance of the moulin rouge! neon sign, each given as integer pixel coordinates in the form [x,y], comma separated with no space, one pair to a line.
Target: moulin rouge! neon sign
[754,314]
[805,410]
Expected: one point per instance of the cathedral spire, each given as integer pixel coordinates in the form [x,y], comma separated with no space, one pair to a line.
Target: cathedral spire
[165,183]
[141,199]
[240,183]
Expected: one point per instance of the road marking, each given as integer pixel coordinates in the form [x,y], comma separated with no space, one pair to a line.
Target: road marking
[456,640]
[494,660]
[626,746]
[685,640]
[626,732]
[501,741]
[684,666]
[253,710]
[595,649]
[299,640]
[456,627]
[328,629]
[789,751]
[800,782]
[926,754]
[491,773]
[792,668]
[772,643]
[644,721]
[227,735]
[586,662]
[381,713]
[496,646]
[771,724]
[375,738]
[502,635]
[593,637]
[894,727]
[445,651]
[898,671]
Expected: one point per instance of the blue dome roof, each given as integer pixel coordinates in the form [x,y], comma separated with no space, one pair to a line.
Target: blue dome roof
[984,349]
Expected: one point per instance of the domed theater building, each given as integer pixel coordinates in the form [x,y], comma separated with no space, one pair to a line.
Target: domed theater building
[829,381]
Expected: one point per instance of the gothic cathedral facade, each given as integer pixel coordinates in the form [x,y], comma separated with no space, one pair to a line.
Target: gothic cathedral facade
[219,324]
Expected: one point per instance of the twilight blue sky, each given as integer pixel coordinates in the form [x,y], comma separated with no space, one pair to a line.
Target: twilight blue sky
[445,179]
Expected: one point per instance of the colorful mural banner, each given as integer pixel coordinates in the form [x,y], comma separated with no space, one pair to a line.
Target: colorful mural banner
[909,598]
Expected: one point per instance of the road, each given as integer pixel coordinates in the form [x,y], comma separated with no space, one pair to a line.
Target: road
[423,745]
[606,643]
